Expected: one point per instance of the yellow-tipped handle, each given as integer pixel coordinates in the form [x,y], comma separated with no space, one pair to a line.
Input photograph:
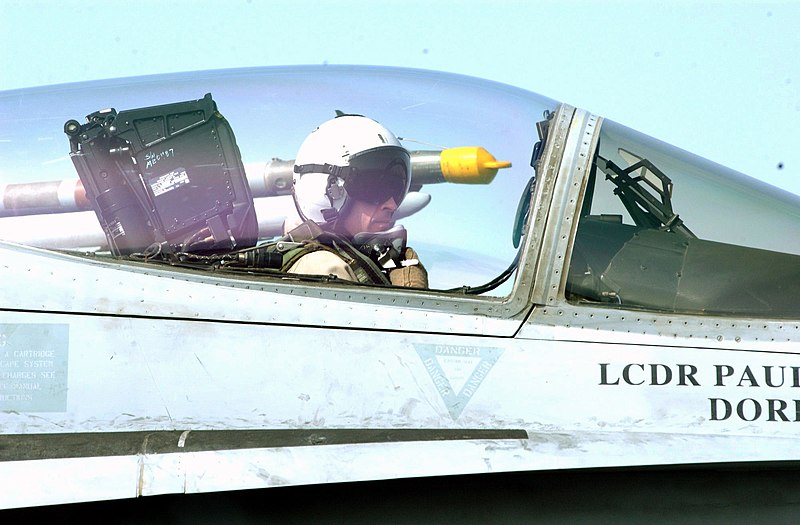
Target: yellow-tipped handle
[470,165]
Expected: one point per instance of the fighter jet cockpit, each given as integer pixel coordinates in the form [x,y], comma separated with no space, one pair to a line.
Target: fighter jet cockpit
[663,230]
[213,175]
[197,173]
[168,186]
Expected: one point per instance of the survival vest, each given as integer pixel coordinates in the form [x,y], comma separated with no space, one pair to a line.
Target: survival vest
[309,237]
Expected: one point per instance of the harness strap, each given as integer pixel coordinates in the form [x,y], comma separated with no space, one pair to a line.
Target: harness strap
[315,238]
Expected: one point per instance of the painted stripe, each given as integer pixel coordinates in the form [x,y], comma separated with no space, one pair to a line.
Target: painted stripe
[26,447]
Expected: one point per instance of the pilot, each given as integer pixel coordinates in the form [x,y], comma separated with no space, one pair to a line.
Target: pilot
[351,174]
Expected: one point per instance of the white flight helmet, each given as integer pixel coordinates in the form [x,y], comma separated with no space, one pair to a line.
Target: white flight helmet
[348,157]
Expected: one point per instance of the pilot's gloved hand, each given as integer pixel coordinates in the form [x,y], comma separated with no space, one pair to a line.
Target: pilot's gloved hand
[412,274]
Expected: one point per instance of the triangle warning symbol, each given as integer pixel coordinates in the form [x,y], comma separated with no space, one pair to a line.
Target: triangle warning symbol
[457,371]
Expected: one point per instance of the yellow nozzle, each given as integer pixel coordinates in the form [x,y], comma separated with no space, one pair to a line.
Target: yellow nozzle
[470,165]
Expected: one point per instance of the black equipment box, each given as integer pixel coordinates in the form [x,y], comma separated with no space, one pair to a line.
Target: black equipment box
[170,175]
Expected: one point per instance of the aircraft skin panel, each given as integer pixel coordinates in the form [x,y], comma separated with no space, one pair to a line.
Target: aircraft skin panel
[68,480]
[37,483]
[580,404]
[232,375]
[592,323]
[249,376]
[64,283]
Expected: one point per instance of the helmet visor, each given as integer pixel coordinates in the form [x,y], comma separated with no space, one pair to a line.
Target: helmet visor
[377,174]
